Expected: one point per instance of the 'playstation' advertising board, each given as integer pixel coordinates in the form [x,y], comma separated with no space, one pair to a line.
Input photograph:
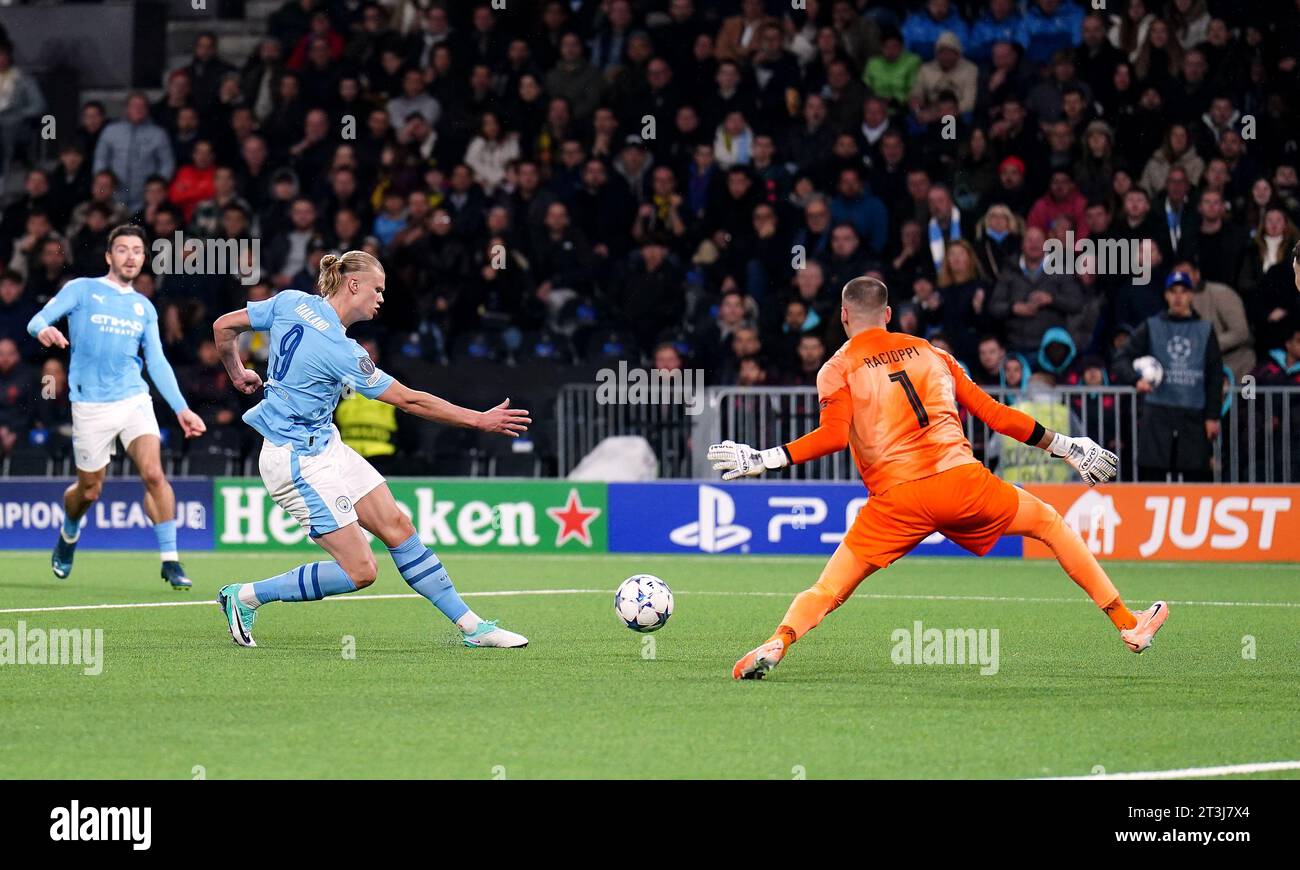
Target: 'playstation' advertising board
[773,518]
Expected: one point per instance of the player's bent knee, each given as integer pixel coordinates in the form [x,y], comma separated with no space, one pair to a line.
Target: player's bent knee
[363,572]
[90,490]
[402,526]
[823,590]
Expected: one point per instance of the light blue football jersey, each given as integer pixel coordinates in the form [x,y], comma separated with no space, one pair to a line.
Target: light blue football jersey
[113,332]
[312,363]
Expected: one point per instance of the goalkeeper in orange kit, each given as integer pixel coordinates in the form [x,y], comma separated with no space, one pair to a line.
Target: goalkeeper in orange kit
[892,398]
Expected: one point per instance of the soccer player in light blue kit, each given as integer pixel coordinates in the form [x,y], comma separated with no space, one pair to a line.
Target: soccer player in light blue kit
[308,470]
[110,324]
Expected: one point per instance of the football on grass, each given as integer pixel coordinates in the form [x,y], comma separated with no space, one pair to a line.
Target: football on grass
[643,602]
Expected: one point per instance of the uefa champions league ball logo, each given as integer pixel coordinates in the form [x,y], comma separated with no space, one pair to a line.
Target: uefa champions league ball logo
[1179,348]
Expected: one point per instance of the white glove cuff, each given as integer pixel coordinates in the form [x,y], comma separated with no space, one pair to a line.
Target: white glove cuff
[1060,445]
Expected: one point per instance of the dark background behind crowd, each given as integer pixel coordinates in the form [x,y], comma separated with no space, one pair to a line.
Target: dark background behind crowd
[556,185]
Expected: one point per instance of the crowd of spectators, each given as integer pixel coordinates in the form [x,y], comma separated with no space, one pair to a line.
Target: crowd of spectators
[583,179]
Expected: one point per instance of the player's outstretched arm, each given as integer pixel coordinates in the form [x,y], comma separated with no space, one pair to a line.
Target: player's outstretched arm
[501,420]
[831,435]
[740,460]
[225,332]
[1094,463]
[160,372]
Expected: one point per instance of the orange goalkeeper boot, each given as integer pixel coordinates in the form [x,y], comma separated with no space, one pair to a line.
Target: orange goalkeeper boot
[757,662]
[1138,638]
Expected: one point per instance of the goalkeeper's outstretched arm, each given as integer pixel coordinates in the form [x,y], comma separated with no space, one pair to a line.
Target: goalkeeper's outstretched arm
[1094,463]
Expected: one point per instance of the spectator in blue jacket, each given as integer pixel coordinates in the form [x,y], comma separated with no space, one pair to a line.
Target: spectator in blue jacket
[1001,22]
[135,148]
[922,28]
[1052,26]
[853,204]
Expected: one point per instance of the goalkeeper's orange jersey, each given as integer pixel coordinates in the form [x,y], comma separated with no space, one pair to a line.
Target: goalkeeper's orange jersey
[893,399]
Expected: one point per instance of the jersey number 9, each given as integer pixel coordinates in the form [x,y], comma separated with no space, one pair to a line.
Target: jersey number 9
[288,344]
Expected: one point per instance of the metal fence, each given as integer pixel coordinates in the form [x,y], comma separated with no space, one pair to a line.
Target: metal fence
[1258,442]
[583,421]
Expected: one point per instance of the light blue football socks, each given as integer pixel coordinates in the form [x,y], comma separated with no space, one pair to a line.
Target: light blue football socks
[166,533]
[310,582]
[423,572]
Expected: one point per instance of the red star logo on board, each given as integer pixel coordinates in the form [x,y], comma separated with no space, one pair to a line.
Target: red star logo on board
[574,520]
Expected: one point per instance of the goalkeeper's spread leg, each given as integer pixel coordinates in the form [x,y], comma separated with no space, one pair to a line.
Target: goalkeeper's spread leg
[1038,520]
[839,578]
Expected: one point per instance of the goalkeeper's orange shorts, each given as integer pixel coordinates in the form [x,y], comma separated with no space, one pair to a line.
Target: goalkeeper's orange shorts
[967,504]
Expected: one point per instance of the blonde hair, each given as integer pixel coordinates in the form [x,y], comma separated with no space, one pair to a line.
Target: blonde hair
[948,276]
[334,268]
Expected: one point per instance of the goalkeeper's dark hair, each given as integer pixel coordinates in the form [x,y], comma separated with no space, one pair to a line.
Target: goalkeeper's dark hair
[865,295]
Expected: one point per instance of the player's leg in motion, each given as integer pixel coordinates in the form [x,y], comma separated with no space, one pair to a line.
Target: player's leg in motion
[1038,520]
[77,499]
[424,572]
[353,568]
[159,505]
[317,491]
[838,580]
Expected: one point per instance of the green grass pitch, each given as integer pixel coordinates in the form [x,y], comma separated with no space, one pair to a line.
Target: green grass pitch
[588,698]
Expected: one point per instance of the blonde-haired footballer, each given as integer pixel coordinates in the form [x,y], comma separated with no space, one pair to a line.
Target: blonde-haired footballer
[308,470]
[892,399]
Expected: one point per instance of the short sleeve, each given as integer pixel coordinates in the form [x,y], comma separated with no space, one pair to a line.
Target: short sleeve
[262,314]
[358,372]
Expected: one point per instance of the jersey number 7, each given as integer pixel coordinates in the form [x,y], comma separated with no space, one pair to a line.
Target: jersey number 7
[901,378]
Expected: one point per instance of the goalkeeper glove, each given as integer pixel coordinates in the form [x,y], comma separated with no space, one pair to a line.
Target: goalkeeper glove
[740,460]
[1094,463]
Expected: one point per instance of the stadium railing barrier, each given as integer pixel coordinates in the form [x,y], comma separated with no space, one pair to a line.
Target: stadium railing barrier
[1258,442]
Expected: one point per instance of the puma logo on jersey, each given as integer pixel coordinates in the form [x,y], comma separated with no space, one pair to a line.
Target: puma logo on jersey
[317,322]
[97,297]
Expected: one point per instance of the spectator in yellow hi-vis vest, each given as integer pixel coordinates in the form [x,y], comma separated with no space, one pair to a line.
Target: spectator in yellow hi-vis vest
[1016,464]
[368,426]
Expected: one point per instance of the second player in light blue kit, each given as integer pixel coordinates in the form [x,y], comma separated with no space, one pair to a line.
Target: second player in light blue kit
[114,334]
[316,478]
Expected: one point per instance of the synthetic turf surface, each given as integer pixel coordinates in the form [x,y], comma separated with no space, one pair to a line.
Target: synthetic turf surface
[177,699]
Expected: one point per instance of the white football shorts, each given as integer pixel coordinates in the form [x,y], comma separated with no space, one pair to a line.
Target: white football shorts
[98,426]
[319,491]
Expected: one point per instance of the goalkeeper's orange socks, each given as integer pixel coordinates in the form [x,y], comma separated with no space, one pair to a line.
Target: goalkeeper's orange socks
[1038,520]
[1120,615]
[842,574]
[785,634]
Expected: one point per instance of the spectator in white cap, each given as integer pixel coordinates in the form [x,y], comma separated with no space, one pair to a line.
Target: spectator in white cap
[949,71]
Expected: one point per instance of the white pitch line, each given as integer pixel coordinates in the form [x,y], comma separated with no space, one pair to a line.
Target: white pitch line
[334,599]
[513,593]
[1192,772]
